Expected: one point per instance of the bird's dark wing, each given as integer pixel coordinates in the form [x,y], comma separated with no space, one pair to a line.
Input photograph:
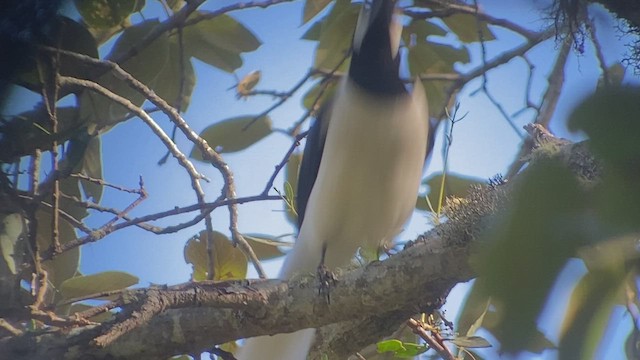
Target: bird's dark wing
[311,159]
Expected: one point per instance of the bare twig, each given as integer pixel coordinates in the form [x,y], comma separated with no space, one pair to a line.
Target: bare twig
[432,341]
[285,160]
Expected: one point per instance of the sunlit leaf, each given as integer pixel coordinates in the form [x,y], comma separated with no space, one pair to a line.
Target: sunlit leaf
[312,8]
[401,349]
[80,286]
[292,170]
[265,246]
[468,28]
[229,262]
[105,13]
[455,185]
[313,33]
[233,135]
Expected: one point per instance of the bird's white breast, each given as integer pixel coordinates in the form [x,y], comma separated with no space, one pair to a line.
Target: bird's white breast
[368,177]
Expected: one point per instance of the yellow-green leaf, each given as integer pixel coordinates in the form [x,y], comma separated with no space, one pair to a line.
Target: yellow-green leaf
[455,185]
[230,262]
[92,284]
[468,28]
[291,175]
[233,135]
[429,57]
[312,8]
[335,38]
[319,93]
[265,246]
[421,29]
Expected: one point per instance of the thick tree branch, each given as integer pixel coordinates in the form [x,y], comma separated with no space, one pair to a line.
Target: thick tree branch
[193,317]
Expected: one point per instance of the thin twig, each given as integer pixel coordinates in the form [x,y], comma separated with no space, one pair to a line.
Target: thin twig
[438,346]
[283,162]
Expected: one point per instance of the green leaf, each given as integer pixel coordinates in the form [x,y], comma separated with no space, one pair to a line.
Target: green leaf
[605,118]
[167,84]
[616,74]
[401,349]
[313,33]
[105,13]
[226,33]
[589,311]
[68,35]
[91,166]
[312,8]
[456,185]
[317,96]
[265,246]
[467,27]
[31,130]
[230,263]
[335,38]
[219,41]
[421,29]
[230,135]
[471,342]
[11,228]
[292,170]
[145,66]
[80,286]
[390,345]
[542,228]
[429,58]
[62,266]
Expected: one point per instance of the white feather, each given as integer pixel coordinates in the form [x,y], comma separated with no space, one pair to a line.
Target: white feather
[364,193]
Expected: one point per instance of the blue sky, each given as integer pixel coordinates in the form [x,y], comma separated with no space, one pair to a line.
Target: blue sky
[484,144]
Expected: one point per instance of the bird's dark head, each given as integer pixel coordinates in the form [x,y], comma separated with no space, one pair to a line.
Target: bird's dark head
[375,60]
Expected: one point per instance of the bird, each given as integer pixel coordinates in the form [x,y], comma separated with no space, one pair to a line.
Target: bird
[361,167]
